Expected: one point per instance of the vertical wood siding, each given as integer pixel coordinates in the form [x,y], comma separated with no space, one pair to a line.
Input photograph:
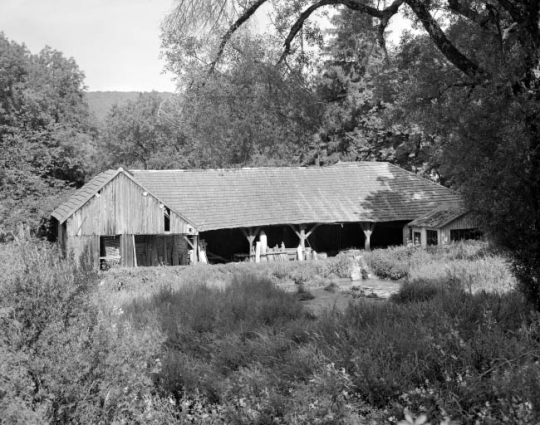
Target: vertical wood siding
[127,250]
[464,222]
[122,208]
[78,244]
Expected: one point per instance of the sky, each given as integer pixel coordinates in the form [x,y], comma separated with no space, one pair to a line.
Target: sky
[116,43]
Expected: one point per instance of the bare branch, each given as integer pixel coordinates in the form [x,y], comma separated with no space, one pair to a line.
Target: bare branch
[460,9]
[299,24]
[194,14]
[384,15]
[248,13]
[440,40]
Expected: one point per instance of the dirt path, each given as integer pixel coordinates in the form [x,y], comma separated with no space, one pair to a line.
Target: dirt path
[373,289]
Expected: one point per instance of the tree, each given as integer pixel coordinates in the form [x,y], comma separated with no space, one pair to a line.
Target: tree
[359,86]
[45,135]
[247,112]
[136,135]
[470,83]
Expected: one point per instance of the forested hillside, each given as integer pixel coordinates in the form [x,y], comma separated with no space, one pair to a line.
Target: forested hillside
[101,102]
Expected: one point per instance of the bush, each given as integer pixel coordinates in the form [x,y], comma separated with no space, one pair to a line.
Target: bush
[443,356]
[416,291]
[395,263]
[303,294]
[63,359]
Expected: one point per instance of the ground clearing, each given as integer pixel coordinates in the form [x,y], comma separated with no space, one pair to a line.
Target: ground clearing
[346,291]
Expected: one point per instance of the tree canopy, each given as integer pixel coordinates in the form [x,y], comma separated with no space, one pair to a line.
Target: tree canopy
[44,132]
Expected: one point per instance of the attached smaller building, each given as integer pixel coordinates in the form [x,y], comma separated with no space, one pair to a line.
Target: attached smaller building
[443,225]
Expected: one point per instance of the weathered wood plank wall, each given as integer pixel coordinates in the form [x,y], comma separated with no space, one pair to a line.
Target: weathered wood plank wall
[127,251]
[122,207]
[78,244]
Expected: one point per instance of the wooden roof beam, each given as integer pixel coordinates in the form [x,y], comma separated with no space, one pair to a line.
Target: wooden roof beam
[367,227]
[302,235]
[250,235]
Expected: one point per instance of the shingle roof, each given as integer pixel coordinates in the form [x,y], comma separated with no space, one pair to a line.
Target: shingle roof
[350,192]
[440,216]
[83,195]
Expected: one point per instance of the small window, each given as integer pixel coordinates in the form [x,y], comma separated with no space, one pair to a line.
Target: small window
[417,238]
[432,237]
[464,234]
[166,219]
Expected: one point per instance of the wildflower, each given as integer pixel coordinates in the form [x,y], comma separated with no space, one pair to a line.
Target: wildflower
[409,419]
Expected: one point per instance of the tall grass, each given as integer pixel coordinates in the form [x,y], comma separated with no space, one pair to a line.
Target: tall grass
[120,285]
[473,265]
[250,353]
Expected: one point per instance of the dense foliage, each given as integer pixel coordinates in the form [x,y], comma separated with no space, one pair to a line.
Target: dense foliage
[63,358]
[136,135]
[45,132]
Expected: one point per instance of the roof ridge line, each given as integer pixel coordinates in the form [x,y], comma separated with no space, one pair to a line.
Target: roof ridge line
[423,178]
[294,167]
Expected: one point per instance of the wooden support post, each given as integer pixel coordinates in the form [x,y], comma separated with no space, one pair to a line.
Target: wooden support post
[423,238]
[134,252]
[264,246]
[257,252]
[250,235]
[194,245]
[196,248]
[302,250]
[127,250]
[175,261]
[62,239]
[367,227]
[303,235]
[165,253]
[406,232]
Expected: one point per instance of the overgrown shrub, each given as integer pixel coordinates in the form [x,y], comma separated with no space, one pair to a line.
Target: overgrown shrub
[416,291]
[63,359]
[395,262]
[476,265]
[444,356]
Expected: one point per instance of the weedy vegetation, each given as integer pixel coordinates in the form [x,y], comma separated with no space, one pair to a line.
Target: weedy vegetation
[453,345]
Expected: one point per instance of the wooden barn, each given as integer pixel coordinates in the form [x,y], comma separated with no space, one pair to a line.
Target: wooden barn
[444,224]
[140,218]
[120,221]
